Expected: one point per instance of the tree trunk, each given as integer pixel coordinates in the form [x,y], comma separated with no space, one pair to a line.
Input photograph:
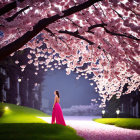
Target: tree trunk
[2,82]
[11,95]
[37,102]
[23,91]
[40,96]
[1,94]
[30,93]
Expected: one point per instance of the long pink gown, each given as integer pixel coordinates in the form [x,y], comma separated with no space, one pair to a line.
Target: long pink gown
[57,115]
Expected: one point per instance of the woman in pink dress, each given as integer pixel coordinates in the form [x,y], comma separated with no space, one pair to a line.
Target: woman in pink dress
[57,114]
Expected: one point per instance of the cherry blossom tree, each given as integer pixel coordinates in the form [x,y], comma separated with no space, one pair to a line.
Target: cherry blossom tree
[104,34]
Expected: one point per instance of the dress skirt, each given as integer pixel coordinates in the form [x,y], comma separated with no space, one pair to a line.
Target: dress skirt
[57,115]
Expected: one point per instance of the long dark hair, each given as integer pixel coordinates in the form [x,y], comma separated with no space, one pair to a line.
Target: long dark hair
[57,93]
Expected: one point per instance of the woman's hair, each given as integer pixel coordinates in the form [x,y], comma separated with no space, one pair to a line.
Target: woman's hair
[57,93]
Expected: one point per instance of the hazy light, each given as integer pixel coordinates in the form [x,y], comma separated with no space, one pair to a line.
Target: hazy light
[36,73]
[77,78]
[117,111]
[16,61]
[91,84]
[36,84]
[103,112]
[6,108]
[19,80]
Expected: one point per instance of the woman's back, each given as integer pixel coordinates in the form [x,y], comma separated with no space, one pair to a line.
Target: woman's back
[57,99]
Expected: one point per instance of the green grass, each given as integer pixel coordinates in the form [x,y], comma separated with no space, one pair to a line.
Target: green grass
[131,123]
[21,123]
[20,114]
[37,131]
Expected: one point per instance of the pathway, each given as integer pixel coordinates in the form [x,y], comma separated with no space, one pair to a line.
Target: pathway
[91,130]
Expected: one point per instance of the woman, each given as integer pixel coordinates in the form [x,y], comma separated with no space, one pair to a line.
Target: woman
[57,112]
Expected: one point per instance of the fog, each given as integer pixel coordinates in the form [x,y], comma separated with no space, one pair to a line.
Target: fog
[72,91]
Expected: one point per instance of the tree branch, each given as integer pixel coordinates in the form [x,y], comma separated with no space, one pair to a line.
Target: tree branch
[7,8]
[89,28]
[137,14]
[102,11]
[97,25]
[73,22]
[9,19]
[52,34]
[118,34]
[48,30]
[76,34]
[117,13]
[17,44]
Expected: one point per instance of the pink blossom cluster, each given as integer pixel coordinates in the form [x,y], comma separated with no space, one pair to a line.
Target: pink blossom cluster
[104,35]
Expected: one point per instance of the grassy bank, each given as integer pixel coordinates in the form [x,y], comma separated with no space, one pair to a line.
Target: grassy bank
[131,123]
[10,113]
[36,131]
[22,123]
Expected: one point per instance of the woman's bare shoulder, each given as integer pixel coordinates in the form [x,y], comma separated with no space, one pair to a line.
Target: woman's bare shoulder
[56,96]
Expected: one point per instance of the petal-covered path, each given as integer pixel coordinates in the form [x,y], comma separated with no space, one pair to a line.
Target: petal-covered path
[91,130]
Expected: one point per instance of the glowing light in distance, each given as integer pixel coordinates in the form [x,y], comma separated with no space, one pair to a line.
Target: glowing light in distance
[103,111]
[6,108]
[19,80]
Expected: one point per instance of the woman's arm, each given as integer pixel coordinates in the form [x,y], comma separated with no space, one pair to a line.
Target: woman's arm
[54,100]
